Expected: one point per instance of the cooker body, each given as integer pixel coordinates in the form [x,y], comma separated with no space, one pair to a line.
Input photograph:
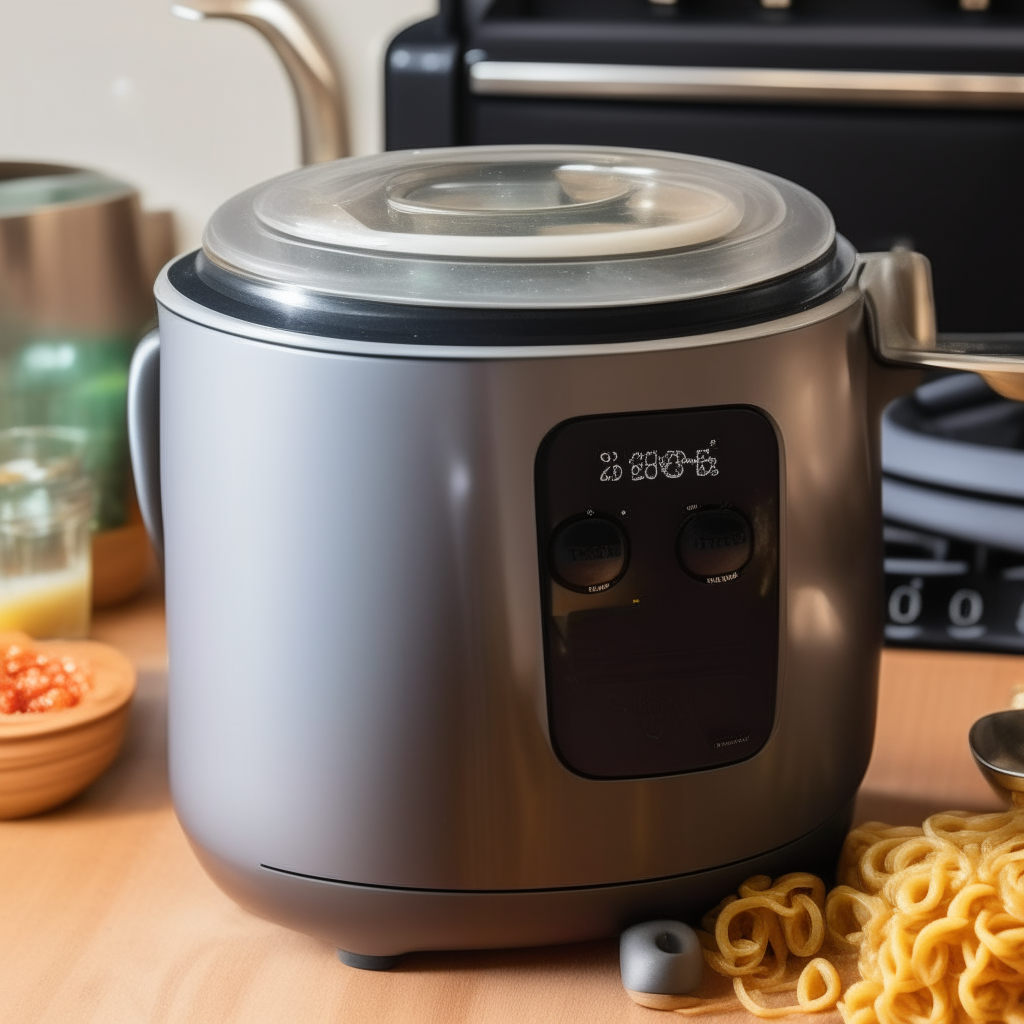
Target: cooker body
[359,709]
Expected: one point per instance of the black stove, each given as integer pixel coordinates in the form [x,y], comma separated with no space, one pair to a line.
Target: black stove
[905,116]
[953,499]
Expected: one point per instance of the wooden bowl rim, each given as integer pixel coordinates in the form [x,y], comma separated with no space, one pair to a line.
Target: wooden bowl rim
[113,687]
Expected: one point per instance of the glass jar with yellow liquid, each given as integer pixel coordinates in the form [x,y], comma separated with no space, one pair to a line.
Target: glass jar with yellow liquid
[46,512]
[77,261]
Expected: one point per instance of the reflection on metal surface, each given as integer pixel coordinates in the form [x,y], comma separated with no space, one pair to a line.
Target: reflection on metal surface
[996,744]
[1009,385]
[453,720]
[72,265]
[317,92]
[814,617]
[898,286]
[757,85]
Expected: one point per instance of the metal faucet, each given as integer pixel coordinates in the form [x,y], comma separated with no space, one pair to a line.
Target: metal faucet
[317,91]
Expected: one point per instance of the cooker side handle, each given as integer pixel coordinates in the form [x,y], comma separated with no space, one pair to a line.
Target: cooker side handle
[144,434]
[898,288]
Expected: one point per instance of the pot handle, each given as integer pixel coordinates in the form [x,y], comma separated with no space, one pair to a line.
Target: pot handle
[898,287]
[144,435]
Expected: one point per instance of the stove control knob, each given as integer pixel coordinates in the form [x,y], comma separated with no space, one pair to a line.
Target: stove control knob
[589,554]
[715,544]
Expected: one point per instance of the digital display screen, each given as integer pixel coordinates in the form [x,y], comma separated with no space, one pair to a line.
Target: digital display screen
[671,463]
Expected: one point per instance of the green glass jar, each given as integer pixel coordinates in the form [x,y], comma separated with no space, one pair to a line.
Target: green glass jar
[74,300]
[76,382]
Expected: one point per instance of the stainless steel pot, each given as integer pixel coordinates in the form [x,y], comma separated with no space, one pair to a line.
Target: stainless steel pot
[71,253]
[521,519]
[77,259]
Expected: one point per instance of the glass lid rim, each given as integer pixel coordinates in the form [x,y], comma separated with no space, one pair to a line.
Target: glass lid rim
[725,186]
[410,326]
[780,228]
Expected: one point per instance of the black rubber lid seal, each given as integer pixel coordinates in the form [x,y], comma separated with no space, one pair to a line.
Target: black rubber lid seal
[195,277]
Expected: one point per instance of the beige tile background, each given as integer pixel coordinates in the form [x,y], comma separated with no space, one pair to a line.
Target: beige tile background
[189,112]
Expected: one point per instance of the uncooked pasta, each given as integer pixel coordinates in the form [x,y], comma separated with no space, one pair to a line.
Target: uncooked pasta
[750,938]
[937,915]
[934,915]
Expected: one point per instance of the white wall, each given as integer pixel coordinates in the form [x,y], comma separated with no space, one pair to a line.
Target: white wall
[190,112]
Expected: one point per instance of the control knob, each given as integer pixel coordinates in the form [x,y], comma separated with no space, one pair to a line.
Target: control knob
[589,553]
[714,544]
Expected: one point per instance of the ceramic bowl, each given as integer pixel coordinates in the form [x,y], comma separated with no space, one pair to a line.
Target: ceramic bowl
[48,757]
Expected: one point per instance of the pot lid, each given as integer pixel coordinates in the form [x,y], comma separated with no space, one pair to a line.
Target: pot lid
[539,227]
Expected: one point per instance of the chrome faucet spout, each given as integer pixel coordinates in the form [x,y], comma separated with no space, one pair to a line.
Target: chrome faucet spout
[317,90]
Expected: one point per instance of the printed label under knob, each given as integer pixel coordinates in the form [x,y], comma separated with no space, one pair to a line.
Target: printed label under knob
[715,544]
[589,554]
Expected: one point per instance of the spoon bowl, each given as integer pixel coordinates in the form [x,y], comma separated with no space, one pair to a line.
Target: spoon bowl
[997,743]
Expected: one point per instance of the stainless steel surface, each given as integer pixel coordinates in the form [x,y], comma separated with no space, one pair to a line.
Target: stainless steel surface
[144,434]
[1008,384]
[73,267]
[317,90]
[997,743]
[168,296]
[381,700]
[899,289]
[1001,370]
[745,85]
[359,738]
[381,921]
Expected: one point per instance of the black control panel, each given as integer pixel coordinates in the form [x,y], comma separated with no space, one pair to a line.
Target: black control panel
[659,543]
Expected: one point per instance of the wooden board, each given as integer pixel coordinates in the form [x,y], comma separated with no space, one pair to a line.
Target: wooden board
[106,917]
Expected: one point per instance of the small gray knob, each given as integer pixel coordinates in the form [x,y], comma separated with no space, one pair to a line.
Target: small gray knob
[662,957]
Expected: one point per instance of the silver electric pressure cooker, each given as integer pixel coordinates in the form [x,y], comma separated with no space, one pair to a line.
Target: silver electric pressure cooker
[520,512]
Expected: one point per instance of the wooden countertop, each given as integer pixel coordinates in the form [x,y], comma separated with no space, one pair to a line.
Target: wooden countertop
[106,917]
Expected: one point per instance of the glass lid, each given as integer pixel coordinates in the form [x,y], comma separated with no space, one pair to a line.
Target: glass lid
[516,226]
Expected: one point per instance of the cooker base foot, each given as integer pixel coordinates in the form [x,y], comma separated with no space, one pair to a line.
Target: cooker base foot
[364,962]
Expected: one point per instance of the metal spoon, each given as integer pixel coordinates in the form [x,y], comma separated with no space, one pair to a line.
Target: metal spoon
[997,743]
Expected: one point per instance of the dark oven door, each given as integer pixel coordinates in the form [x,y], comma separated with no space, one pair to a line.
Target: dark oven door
[906,117]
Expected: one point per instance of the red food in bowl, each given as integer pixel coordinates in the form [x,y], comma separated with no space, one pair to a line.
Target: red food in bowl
[31,681]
